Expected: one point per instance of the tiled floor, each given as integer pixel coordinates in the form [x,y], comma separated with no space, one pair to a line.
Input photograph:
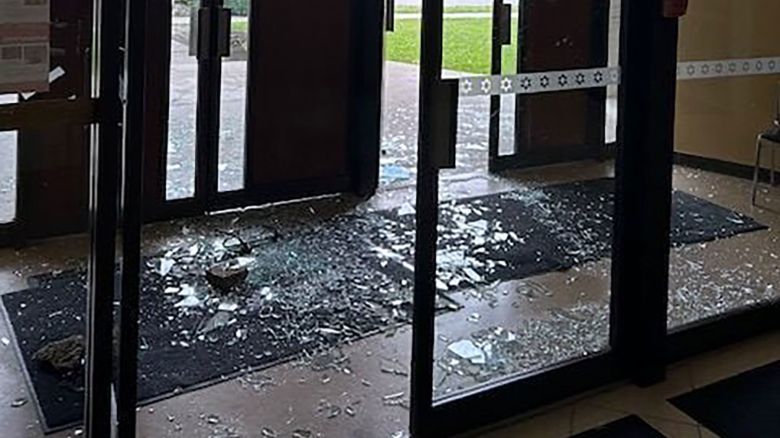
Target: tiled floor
[604,406]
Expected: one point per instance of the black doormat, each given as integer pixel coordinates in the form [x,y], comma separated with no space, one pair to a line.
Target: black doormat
[307,291]
[314,288]
[519,234]
[628,427]
[745,406]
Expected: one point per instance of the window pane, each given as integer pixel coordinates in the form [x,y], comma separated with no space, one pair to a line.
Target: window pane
[725,250]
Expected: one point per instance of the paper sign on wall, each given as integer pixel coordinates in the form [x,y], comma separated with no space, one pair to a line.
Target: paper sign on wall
[24,46]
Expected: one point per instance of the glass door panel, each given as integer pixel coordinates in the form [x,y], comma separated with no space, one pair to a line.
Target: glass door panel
[287,320]
[523,273]
[232,131]
[282,320]
[8,169]
[183,98]
[610,127]
[43,287]
[725,246]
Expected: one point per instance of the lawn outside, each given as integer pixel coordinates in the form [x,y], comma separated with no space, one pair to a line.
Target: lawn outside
[459,9]
[467,39]
[467,44]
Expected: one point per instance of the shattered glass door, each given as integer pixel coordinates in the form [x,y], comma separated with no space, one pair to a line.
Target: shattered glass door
[286,320]
[524,259]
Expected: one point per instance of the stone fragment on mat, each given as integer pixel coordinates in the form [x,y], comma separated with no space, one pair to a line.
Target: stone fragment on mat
[225,276]
[63,356]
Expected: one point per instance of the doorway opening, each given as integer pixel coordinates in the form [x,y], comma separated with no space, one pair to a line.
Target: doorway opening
[470,31]
[231,88]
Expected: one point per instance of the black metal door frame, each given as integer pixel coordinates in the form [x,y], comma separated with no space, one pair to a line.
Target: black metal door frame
[209,53]
[102,111]
[640,257]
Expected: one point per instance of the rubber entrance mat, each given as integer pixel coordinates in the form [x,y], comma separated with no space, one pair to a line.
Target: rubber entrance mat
[524,233]
[628,427]
[744,406]
[320,287]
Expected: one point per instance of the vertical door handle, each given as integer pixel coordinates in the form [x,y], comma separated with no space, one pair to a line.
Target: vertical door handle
[390,16]
[505,24]
[444,122]
[203,42]
[224,31]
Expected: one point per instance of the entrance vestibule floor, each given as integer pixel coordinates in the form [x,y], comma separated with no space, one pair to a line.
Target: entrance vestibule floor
[295,396]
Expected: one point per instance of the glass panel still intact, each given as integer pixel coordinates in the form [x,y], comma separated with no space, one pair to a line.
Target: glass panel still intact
[727,95]
[233,101]
[524,268]
[8,149]
[180,167]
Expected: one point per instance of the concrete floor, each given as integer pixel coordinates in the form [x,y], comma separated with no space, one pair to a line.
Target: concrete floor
[706,280]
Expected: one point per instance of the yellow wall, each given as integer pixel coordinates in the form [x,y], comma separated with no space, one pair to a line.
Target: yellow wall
[720,118]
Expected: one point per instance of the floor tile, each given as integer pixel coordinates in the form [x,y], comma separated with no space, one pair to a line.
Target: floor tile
[673,429]
[588,416]
[553,424]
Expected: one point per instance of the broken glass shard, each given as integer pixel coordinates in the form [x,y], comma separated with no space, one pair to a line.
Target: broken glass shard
[227,306]
[19,402]
[186,290]
[467,350]
[219,320]
[190,301]
[165,265]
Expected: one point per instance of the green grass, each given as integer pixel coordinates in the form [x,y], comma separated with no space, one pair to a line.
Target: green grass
[239,26]
[463,9]
[467,44]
